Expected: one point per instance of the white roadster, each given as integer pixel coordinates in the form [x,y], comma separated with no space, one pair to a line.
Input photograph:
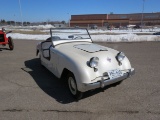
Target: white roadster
[70,54]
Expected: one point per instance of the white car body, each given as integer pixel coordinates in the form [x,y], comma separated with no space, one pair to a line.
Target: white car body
[130,26]
[72,50]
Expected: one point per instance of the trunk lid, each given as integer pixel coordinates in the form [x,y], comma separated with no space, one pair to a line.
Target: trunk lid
[91,48]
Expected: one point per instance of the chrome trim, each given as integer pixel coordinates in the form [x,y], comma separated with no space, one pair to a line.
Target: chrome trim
[105,82]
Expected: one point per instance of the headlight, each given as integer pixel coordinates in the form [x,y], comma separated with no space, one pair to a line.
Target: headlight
[94,62]
[120,56]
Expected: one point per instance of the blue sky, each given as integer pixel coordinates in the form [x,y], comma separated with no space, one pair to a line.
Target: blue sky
[44,10]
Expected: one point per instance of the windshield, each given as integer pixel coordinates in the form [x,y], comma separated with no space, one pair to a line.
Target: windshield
[69,34]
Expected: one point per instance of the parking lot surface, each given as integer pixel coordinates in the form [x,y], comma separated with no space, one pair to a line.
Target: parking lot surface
[30,92]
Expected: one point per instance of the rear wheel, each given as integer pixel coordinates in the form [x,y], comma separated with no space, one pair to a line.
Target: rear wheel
[72,85]
[10,43]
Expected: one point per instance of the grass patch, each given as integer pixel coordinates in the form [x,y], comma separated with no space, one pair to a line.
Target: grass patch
[39,32]
[144,33]
[34,32]
[107,33]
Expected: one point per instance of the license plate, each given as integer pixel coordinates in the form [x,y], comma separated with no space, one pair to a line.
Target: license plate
[114,73]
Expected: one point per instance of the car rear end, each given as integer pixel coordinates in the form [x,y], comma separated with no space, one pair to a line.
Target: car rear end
[3,39]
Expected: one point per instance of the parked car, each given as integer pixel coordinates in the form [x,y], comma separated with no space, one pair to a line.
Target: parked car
[94,26]
[70,54]
[4,40]
[76,26]
[156,33]
[136,27]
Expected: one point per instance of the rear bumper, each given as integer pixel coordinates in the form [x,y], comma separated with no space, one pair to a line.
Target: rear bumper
[103,83]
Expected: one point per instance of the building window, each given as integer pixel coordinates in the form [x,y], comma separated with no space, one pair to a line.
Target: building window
[123,17]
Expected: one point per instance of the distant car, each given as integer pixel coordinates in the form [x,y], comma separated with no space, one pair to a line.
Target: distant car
[4,40]
[94,26]
[76,26]
[71,55]
[108,27]
[136,27]
[157,33]
[117,26]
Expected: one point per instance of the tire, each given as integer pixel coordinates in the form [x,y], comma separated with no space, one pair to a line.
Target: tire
[72,85]
[10,43]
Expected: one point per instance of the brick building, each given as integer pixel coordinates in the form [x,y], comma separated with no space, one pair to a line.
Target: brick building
[115,19]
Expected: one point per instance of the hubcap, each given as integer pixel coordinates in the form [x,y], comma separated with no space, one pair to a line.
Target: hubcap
[72,85]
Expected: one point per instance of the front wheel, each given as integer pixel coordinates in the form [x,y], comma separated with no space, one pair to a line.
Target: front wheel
[10,43]
[72,85]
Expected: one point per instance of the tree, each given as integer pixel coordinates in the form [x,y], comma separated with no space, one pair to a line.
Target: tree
[111,13]
[28,23]
[63,22]
[10,22]
[3,21]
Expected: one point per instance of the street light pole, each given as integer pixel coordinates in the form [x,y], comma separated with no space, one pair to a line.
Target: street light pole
[142,15]
[68,20]
[15,20]
[20,11]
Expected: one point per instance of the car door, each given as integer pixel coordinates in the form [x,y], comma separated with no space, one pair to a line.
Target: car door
[50,57]
[54,58]
[45,58]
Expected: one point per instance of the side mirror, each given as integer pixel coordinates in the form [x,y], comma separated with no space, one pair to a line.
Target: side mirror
[71,36]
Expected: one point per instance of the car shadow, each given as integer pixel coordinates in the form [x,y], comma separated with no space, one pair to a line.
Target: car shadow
[1,49]
[51,85]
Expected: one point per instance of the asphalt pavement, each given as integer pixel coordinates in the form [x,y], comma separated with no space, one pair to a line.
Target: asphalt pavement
[30,92]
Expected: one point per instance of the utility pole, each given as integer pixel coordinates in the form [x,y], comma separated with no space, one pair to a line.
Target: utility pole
[142,15]
[68,20]
[15,20]
[20,11]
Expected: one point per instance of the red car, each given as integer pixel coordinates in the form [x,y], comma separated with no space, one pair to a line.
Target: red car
[6,40]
